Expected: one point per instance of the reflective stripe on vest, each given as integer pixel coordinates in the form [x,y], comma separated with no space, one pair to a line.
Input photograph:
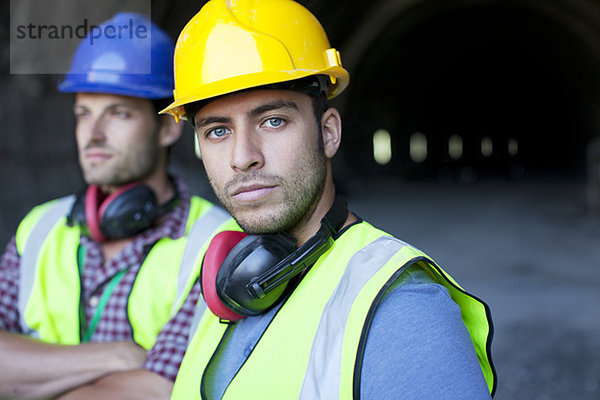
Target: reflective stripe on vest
[323,375]
[201,308]
[206,221]
[202,230]
[32,249]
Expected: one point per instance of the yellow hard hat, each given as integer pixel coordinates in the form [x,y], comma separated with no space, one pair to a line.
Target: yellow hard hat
[232,45]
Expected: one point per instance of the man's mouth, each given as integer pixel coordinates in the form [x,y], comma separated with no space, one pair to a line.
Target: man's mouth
[252,192]
[97,155]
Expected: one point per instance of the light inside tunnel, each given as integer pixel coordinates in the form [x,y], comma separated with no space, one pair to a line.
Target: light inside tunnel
[382,147]
[513,147]
[487,147]
[455,147]
[418,147]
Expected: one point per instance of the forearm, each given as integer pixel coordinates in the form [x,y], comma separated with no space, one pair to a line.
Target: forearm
[32,369]
[130,385]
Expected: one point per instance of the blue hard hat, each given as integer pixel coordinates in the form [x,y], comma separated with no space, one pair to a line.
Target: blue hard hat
[127,55]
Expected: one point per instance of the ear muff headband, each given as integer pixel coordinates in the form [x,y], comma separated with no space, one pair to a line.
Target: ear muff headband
[298,261]
[253,276]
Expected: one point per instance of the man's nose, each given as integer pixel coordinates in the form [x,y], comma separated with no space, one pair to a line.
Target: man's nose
[247,151]
[93,129]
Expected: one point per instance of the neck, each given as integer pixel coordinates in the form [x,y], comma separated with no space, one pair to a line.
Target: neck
[113,247]
[312,224]
[161,185]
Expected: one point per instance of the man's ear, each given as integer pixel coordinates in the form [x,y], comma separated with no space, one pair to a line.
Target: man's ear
[170,130]
[331,127]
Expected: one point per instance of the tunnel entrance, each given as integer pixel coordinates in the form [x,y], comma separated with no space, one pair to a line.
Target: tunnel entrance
[469,93]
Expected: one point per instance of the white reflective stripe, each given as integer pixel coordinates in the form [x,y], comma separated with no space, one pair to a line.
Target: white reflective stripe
[323,374]
[203,228]
[198,313]
[31,252]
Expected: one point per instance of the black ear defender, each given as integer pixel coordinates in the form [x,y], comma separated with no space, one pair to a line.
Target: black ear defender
[124,213]
[247,275]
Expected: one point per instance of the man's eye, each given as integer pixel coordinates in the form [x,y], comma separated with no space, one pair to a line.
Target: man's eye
[121,114]
[217,132]
[274,122]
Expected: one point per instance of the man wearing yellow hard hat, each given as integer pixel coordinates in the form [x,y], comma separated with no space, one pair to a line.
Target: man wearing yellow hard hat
[310,301]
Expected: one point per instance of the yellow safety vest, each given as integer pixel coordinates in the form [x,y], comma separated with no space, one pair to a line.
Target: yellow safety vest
[309,350]
[50,286]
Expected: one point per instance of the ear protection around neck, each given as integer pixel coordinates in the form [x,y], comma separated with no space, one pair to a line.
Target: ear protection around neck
[124,213]
[245,275]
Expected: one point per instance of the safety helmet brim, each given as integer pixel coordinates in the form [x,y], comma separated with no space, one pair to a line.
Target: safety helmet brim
[133,86]
[339,79]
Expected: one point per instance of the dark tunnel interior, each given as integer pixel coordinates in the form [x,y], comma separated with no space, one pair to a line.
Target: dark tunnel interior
[472,93]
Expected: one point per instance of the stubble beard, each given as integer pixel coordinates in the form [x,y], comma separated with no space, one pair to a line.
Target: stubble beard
[300,195]
[126,166]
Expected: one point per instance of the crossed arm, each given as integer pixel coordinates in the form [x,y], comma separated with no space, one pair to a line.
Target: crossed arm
[35,370]
[147,384]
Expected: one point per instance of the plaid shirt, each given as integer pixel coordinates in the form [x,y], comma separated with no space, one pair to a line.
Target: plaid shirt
[165,356]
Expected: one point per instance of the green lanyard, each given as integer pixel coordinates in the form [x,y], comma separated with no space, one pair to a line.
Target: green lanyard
[86,331]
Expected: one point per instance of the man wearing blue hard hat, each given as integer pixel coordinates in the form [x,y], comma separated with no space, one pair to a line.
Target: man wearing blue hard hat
[96,288]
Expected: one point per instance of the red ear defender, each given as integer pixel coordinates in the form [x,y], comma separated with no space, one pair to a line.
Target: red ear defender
[246,275]
[111,199]
[218,249]
[93,199]
[114,216]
